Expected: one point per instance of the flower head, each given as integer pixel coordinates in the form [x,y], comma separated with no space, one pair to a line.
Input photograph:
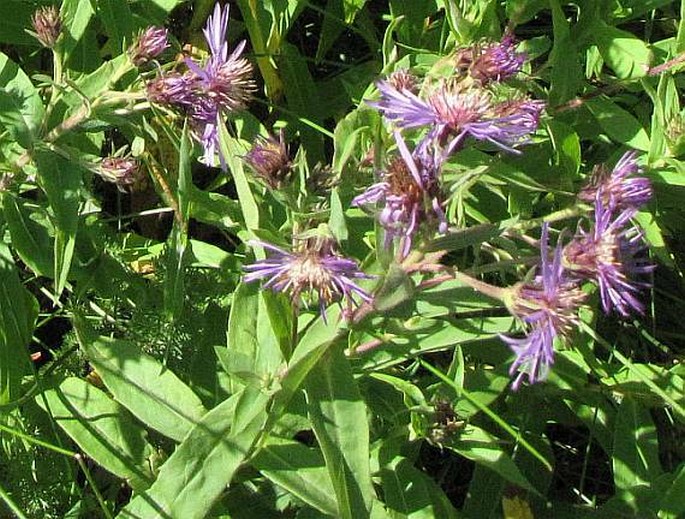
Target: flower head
[619,188]
[610,255]
[125,172]
[548,306]
[496,61]
[224,84]
[149,44]
[270,161]
[314,270]
[47,25]
[410,193]
[453,112]
[207,92]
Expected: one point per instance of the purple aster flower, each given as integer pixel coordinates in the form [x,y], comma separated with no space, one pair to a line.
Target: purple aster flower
[224,84]
[206,93]
[171,89]
[496,61]
[611,255]
[548,306]
[149,44]
[453,113]
[270,161]
[313,270]
[619,188]
[410,193]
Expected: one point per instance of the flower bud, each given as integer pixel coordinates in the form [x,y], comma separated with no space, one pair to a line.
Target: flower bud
[47,25]
[149,44]
[125,172]
[270,161]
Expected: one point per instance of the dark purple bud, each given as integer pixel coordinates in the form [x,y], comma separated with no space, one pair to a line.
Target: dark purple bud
[149,44]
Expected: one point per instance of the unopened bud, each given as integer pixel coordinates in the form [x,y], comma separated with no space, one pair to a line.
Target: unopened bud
[149,44]
[47,25]
[270,161]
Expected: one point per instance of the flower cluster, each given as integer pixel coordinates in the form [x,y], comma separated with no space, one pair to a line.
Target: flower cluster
[207,92]
[447,112]
[609,254]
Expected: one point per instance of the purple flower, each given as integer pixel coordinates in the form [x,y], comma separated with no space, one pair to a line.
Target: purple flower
[619,188]
[410,193]
[313,270]
[171,89]
[496,61]
[453,112]
[610,255]
[149,44]
[548,306]
[223,85]
[206,93]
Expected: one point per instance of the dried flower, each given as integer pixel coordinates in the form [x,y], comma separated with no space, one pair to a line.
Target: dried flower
[125,172]
[410,193]
[548,306]
[610,255]
[47,25]
[619,188]
[149,44]
[314,270]
[270,161]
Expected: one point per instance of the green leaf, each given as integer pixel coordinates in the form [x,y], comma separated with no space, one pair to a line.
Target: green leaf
[201,467]
[413,494]
[319,337]
[628,56]
[336,221]
[338,416]
[16,18]
[144,386]
[253,348]
[618,124]
[18,314]
[636,450]
[21,109]
[61,180]
[214,209]
[480,446]
[118,21]
[672,504]
[102,428]
[298,469]
[75,15]
[177,247]
[564,60]
[30,240]
[232,149]
[395,289]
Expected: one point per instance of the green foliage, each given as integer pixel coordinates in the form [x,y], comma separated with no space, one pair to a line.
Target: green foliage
[142,375]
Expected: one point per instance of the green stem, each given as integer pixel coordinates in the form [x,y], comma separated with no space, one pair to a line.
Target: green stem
[30,439]
[11,504]
[482,287]
[92,484]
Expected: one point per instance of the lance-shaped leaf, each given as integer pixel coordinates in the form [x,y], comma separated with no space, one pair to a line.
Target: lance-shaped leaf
[102,428]
[21,109]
